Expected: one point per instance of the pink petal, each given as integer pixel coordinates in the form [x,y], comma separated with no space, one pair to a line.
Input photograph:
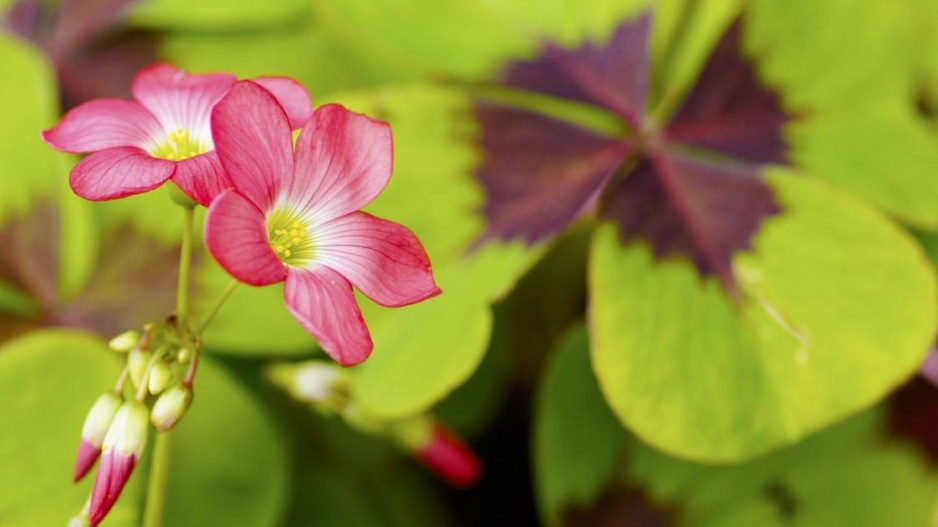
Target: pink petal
[236,235]
[102,124]
[323,303]
[292,96]
[254,141]
[88,453]
[202,177]
[343,160]
[119,172]
[382,258]
[179,99]
[112,475]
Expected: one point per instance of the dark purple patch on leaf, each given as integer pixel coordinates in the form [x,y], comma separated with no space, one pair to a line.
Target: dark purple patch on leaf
[539,173]
[93,54]
[134,280]
[625,507]
[913,408]
[695,191]
[698,209]
[30,254]
[729,110]
[613,75]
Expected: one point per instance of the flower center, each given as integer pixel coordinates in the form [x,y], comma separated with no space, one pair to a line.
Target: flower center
[289,238]
[180,145]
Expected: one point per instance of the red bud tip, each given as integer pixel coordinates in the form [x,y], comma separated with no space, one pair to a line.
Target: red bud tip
[113,474]
[450,459]
[87,455]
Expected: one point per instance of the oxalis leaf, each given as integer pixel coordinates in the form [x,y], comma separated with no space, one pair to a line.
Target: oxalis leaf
[570,415]
[691,185]
[229,464]
[28,102]
[874,141]
[423,352]
[854,473]
[846,475]
[810,342]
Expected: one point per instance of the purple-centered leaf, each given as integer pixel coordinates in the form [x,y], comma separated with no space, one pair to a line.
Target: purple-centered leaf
[539,173]
[729,110]
[698,209]
[613,75]
[695,191]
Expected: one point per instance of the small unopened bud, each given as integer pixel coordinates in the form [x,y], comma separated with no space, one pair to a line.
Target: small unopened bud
[93,432]
[137,362]
[441,451]
[313,382]
[184,355]
[123,447]
[170,407]
[316,381]
[125,342]
[160,376]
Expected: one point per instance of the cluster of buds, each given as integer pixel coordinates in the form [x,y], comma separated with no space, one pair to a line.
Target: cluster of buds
[327,388]
[161,365]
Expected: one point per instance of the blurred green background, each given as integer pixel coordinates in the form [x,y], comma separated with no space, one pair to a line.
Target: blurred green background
[600,385]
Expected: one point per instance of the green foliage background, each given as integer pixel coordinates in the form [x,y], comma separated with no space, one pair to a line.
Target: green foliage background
[638,375]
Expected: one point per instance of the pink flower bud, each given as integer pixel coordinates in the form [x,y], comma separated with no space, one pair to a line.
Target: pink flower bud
[449,458]
[123,447]
[93,432]
[439,450]
[170,407]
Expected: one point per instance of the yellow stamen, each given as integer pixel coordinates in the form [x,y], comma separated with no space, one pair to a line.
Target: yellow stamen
[289,238]
[179,145]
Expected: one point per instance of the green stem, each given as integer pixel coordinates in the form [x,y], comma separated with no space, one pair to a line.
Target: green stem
[159,481]
[159,467]
[185,264]
[230,288]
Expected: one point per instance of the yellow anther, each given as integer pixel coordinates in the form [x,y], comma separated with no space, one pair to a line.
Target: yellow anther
[287,253]
[280,248]
[296,240]
[180,144]
[294,232]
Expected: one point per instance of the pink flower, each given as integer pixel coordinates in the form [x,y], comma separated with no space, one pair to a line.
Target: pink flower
[136,146]
[293,216]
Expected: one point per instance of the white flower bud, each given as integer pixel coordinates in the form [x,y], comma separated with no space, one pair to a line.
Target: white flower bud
[170,407]
[316,381]
[161,375]
[125,342]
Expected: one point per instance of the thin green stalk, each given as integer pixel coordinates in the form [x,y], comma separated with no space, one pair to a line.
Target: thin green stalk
[230,288]
[159,481]
[185,264]
[159,467]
